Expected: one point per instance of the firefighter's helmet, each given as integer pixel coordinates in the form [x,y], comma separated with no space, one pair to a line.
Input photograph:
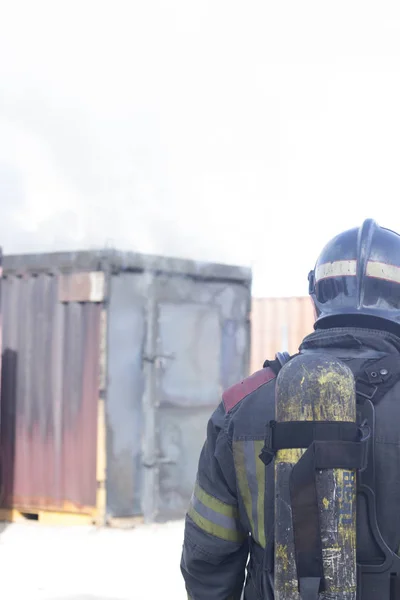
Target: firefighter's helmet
[358,273]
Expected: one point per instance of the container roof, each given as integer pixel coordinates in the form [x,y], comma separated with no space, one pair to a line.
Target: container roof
[118,261]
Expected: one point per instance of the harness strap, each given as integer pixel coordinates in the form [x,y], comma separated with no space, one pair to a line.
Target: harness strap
[330,445]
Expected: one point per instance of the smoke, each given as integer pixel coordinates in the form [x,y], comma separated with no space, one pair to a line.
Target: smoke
[99,146]
[240,133]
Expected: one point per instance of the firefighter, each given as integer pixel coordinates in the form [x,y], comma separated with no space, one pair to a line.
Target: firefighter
[229,527]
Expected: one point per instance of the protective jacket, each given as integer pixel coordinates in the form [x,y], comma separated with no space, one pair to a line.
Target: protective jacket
[229,528]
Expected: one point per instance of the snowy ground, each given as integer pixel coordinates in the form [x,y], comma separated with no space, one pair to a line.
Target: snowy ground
[83,563]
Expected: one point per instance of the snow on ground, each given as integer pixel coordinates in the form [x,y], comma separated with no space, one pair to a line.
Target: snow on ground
[86,563]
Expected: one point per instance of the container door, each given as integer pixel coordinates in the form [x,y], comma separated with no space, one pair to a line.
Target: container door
[196,344]
[189,344]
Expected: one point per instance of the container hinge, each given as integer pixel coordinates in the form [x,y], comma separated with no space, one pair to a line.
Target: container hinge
[159,461]
[158,359]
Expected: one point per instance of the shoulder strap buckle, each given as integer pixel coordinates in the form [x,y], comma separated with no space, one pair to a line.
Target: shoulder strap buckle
[268,452]
[365,389]
[282,358]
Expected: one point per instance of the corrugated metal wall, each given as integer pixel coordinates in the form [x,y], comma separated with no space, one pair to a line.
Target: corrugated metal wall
[278,324]
[49,396]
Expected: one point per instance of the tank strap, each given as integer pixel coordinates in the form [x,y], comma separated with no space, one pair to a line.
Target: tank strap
[330,445]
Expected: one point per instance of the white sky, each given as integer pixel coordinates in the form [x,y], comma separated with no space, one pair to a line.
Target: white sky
[243,132]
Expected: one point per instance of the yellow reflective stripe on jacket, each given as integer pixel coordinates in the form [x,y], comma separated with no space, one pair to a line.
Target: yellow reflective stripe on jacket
[214,504]
[230,535]
[214,516]
[241,476]
[250,474]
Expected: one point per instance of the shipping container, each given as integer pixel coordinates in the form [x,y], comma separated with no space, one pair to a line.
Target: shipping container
[278,325]
[112,364]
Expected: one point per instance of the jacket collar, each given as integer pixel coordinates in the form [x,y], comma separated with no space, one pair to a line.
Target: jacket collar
[353,340]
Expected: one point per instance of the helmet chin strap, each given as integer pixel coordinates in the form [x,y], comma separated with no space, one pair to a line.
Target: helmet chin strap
[311,282]
[311,291]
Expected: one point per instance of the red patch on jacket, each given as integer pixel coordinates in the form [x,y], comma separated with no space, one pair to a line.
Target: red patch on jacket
[237,392]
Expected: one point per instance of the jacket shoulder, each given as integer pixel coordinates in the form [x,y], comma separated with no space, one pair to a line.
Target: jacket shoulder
[233,395]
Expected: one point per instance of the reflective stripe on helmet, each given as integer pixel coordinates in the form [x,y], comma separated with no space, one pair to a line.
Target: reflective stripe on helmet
[339,268]
[382,270]
[348,268]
